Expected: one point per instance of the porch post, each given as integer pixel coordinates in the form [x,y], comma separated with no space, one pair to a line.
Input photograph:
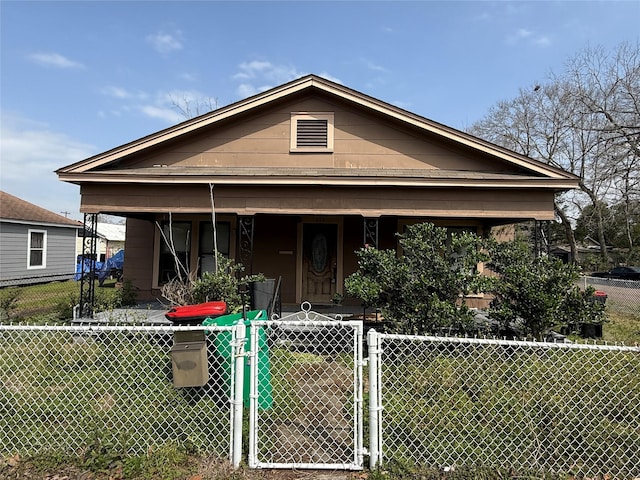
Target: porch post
[245,238]
[371,232]
[87,279]
[542,238]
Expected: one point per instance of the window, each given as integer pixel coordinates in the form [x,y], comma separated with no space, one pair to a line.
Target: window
[37,249]
[175,237]
[311,132]
[223,231]
[186,236]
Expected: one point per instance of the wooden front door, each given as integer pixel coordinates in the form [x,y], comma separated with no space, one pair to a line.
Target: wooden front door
[319,262]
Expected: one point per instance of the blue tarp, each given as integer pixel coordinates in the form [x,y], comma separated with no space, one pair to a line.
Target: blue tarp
[115,262]
[84,267]
[102,269]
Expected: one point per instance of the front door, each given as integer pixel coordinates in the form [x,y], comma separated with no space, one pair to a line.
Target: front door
[319,262]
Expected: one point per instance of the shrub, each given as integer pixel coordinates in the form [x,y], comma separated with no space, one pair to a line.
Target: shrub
[127,293]
[539,293]
[225,284]
[424,289]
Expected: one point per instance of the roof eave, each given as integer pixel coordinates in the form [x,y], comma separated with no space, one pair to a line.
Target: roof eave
[290,180]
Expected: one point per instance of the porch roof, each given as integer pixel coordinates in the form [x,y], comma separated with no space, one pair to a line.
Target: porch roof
[287,176]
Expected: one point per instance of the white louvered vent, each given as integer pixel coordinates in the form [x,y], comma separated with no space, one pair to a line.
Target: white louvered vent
[312,132]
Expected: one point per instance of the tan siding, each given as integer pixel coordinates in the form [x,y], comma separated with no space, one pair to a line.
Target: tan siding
[361,141]
[138,265]
[434,202]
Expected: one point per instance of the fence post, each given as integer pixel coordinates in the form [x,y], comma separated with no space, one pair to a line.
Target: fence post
[253,397]
[375,409]
[240,331]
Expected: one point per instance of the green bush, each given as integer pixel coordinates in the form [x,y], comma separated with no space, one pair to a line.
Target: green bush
[224,284]
[424,289]
[539,293]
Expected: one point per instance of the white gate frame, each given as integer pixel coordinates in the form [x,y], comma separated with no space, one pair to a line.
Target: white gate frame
[236,392]
[306,318]
[375,400]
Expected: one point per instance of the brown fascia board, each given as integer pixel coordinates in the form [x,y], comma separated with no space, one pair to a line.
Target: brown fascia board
[312,81]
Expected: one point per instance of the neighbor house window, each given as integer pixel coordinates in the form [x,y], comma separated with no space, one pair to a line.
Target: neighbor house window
[37,249]
[311,132]
[206,246]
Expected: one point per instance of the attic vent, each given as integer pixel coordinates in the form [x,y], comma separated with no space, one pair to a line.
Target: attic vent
[312,132]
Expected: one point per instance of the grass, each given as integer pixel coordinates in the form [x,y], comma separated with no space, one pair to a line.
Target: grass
[536,409]
[51,302]
[622,327]
[100,395]
[82,395]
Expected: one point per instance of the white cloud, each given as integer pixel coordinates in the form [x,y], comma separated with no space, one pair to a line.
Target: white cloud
[532,38]
[246,90]
[30,148]
[122,93]
[257,76]
[252,69]
[165,43]
[54,60]
[543,41]
[169,107]
[164,113]
[30,152]
[330,77]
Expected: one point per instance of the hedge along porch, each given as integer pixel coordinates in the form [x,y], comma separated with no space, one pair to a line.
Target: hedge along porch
[303,175]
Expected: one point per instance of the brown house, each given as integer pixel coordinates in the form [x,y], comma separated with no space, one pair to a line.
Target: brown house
[303,175]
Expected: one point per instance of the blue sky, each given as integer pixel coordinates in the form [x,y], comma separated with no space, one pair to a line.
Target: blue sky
[78,78]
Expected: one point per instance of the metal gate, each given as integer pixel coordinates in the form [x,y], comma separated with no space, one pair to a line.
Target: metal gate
[305,389]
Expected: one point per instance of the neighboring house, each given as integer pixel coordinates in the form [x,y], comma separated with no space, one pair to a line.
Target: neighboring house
[36,245]
[587,253]
[302,176]
[110,239]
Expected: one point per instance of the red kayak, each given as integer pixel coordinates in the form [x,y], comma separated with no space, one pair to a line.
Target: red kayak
[196,313]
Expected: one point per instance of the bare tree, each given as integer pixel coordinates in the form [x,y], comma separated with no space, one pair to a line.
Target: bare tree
[190,107]
[607,86]
[586,121]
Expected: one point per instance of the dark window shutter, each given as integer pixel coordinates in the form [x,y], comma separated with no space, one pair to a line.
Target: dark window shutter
[312,133]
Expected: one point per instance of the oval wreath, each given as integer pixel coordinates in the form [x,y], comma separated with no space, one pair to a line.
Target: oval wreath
[319,252]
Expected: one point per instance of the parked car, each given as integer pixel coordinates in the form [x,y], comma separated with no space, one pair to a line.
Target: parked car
[621,273]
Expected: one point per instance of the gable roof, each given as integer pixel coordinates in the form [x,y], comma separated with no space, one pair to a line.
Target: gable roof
[14,209]
[111,231]
[309,83]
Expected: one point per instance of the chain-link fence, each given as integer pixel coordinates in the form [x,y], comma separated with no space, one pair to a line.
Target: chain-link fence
[622,295]
[38,297]
[532,408]
[307,395]
[524,406]
[71,389]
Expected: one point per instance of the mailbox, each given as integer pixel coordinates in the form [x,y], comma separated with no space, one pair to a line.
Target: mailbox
[189,359]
